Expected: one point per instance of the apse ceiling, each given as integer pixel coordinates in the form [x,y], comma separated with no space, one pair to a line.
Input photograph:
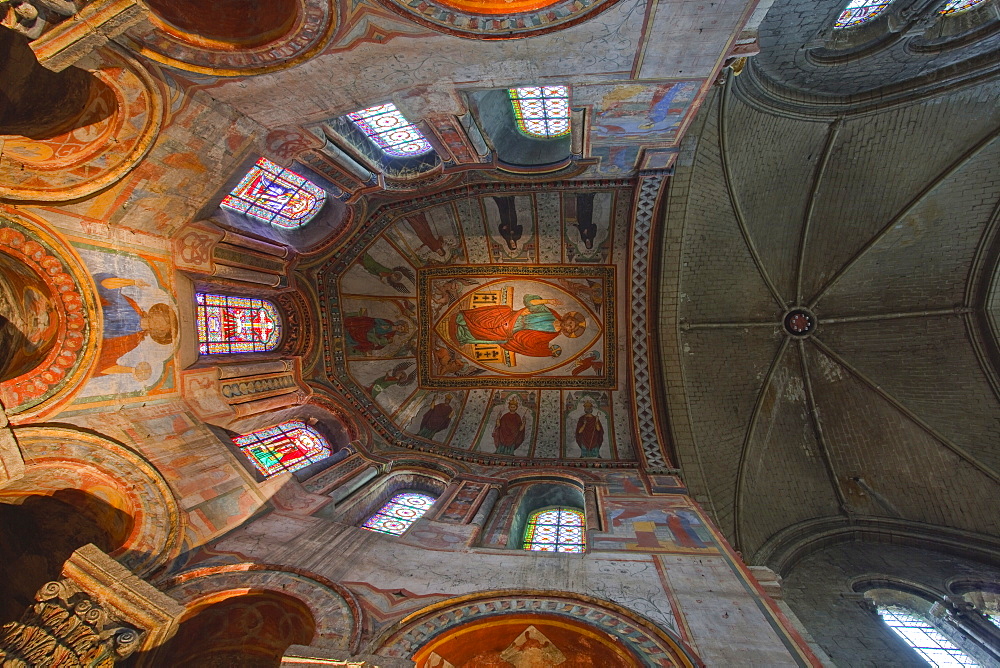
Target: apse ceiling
[486,323]
[881,395]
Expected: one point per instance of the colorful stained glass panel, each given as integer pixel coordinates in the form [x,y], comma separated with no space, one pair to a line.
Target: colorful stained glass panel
[555,530]
[958,6]
[276,195]
[228,324]
[288,446]
[860,11]
[399,513]
[541,111]
[391,132]
[926,640]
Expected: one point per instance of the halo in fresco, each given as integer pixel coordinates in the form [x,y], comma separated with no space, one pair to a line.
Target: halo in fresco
[520,327]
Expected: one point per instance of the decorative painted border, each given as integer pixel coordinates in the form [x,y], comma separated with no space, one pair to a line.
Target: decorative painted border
[451,20]
[645,411]
[67,363]
[312,29]
[656,646]
[604,273]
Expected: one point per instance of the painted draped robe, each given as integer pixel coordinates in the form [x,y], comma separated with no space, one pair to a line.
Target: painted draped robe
[527,331]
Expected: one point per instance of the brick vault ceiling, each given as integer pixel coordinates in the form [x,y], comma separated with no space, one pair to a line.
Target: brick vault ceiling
[880,225]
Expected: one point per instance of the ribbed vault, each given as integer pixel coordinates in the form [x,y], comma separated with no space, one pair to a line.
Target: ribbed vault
[882,226]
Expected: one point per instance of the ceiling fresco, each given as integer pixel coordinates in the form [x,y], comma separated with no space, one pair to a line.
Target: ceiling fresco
[488,323]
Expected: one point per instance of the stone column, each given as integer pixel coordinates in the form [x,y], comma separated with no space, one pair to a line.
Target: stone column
[593,514]
[98,613]
[486,507]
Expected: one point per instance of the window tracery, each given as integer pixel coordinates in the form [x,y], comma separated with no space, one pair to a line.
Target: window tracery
[288,446]
[399,513]
[933,646]
[541,111]
[229,324]
[556,529]
[386,126]
[858,12]
[275,195]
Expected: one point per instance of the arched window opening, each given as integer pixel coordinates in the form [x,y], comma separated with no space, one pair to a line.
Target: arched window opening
[228,324]
[923,637]
[541,111]
[288,446]
[275,195]
[558,529]
[860,11]
[390,131]
[959,6]
[399,514]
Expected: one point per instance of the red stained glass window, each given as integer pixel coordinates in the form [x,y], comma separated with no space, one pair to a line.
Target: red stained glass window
[276,195]
[288,446]
[228,324]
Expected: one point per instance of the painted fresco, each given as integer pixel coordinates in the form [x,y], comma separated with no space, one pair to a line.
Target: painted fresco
[29,319]
[668,524]
[140,325]
[427,310]
[528,328]
[648,113]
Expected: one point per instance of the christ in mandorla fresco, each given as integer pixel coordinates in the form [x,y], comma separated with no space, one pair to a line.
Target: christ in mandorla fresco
[526,331]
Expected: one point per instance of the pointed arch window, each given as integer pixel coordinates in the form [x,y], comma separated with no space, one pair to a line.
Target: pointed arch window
[275,195]
[555,529]
[399,514]
[385,125]
[933,646]
[228,324]
[288,446]
[541,111]
[860,11]
[959,6]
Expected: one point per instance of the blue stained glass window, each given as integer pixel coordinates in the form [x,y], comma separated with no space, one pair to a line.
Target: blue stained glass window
[958,6]
[541,111]
[926,640]
[860,11]
[399,513]
[276,195]
[391,132]
[288,446]
[228,324]
[556,529]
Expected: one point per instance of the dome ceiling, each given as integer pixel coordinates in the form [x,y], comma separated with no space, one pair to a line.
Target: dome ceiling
[485,323]
[880,396]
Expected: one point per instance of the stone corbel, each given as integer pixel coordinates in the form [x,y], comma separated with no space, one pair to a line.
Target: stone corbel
[224,393]
[97,614]
[209,249]
[62,34]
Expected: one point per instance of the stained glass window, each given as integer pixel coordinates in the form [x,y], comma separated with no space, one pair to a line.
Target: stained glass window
[288,446]
[957,6]
[391,132]
[228,324]
[860,11]
[557,529]
[402,511]
[276,195]
[926,640]
[541,111]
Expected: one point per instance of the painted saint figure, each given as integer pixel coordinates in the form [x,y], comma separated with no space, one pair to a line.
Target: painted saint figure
[398,376]
[589,432]
[126,325]
[391,276]
[527,331]
[365,334]
[585,219]
[508,433]
[509,229]
[437,418]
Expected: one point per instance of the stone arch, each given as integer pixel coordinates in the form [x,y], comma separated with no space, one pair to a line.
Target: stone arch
[45,332]
[334,609]
[433,628]
[123,493]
